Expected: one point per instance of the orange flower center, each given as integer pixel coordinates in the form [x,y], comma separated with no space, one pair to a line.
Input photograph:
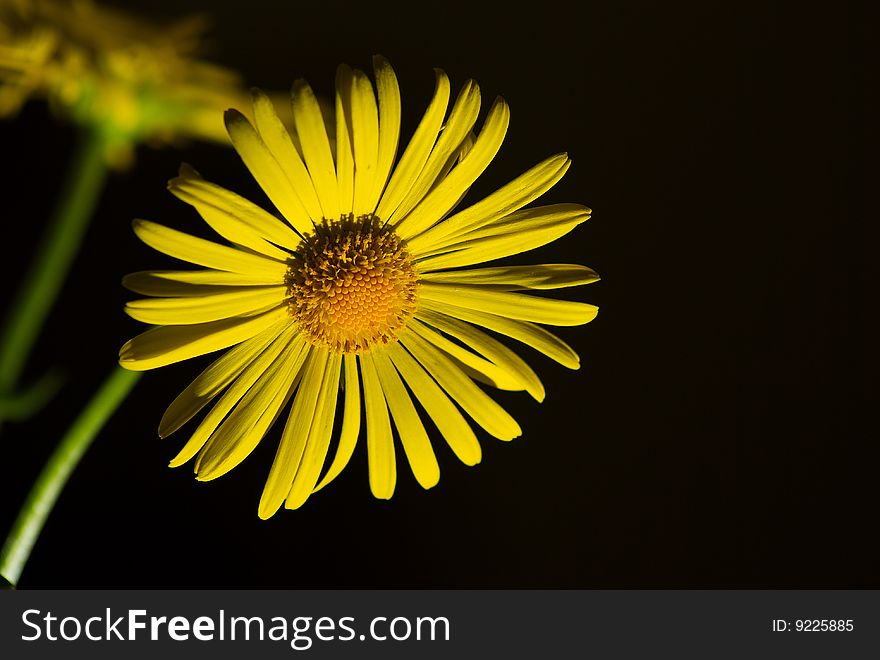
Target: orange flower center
[352,284]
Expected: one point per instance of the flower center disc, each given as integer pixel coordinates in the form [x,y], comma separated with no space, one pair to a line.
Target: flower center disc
[352,284]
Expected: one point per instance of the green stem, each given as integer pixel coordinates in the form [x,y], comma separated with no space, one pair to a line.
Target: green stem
[27,402]
[61,463]
[52,260]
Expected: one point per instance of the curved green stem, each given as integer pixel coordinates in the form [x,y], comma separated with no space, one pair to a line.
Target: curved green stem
[27,402]
[52,259]
[61,463]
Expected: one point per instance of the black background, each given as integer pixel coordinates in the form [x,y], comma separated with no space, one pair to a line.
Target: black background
[714,436]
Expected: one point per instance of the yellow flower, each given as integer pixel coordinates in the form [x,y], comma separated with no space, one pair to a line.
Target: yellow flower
[134,81]
[365,294]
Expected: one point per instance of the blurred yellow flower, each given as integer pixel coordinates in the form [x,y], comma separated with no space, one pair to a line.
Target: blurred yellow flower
[133,80]
[367,283]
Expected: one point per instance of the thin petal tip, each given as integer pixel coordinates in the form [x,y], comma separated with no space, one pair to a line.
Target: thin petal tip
[233,117]
[301,87]
[185,171]
[205,475]
[265,512]
[293,505]
[131,364]
[473,460]
[164,429]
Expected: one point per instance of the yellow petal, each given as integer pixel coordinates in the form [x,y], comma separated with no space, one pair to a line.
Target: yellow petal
[320,433]
[450,422]
[518,306]
[519,232]
[266,170]
[249,375]
[203,309]
[252,417]
[458,156]
[296,432]
[351,422]
[462,118]
[412,433]
[533,219]
[169,344]
[530,334]
[380,446]
[483,409]
[183,283]
[463,151]
[496,376]
[206,253]
[214,379]
[522,190]
[446,194]
[389,124]
[316,147]
[365,142]
[416,154]
[190,187]
[344,153]
[227,225]
[506,360]
[518,278]
[278,142]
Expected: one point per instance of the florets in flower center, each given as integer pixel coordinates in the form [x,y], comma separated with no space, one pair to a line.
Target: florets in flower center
[352,284]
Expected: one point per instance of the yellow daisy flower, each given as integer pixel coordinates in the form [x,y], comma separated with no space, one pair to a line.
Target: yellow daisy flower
[364,292]
[133,80]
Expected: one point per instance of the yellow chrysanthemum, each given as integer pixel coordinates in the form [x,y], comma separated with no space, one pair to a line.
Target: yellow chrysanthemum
[366,293]
[134,81]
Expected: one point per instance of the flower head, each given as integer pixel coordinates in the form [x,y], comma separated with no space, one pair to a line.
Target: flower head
[135,81]
[364,291]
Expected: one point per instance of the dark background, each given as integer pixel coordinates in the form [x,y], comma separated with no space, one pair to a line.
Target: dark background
[714,436]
